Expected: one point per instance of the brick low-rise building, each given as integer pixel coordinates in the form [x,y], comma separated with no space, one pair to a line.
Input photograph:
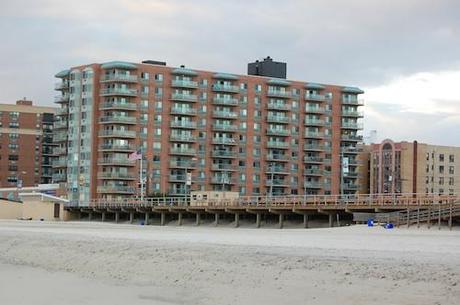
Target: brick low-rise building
[201,130]
[26,144]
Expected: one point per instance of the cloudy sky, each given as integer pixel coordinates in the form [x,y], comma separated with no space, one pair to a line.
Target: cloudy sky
[405,54]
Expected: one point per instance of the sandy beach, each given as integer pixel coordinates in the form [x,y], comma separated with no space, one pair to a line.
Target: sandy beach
[101,263]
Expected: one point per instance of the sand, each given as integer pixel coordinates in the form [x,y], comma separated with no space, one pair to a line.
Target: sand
[100,263]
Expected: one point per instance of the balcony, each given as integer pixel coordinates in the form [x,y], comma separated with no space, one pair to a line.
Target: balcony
[177,178]
[313,147]
[180,83]
[184,111]
[313,172]
[351,174]
[279,93]
[115,161]
[352,113]
[278,157]
[278,106]
[352,101]
[351,138]
[60,125]
[60,137]
[277,119]
[222,180]
[223,154]
[184,97]
[115,133]
[320,110]
[59,178]
[182,138]
[59,163]
[62,111]
[278,132]
[115,176]
[224,141]
[351,125]
[350,186]
[116,189]
[60,151]
[277,144]
[277,182]
[314,135]
[223,167]
[224,127]
[117,147]
[313,185]
[61,85]
[225,114]
[225,88]
[183,124]
[118,119]
[118,105]
[314,122]
[281,170]
[311,159]
[181,164]
[224,101]
[315,97]
[182,151]
[62,98]
[125,78]
[118,91]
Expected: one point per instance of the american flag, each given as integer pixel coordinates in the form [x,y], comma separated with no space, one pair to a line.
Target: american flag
[135,155]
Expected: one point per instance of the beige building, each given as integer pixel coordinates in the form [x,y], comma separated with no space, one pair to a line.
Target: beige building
[34,206]
[412,167]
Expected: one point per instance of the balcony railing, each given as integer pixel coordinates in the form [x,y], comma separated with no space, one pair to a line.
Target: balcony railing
[118,91]
[225,88]
[182,151]
[59,177]
[182,164]
[224,141]
[349,125]
[223,167]
[60,163]
[184,97]
[314,122]
[118,119]
[279,106]
[61,85]
[314,97]
[116,189]
[184,83]
[277,182]
[185,111]
[224,127]
[346,137]
[352,101]
[117,147]
[277,157]
[277,119]
[314,134]
[225,114]
[223,154]
[313,185]
[116,176]
[115,161]
[117,105]
[307,146]
[277,144]
[119,78]
[225,101]
[62,98]
[117,133]
[278,132]
[315,110]
[182,137]
[183,124]
[352,113]
[279,93]
[313,172]
[310,159]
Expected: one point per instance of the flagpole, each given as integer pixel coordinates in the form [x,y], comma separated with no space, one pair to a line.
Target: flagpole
[140,179]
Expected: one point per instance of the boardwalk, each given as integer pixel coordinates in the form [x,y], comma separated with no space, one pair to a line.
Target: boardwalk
[282,206]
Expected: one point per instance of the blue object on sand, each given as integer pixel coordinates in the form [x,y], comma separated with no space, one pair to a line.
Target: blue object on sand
[142,223]
[389,226]
[370,222]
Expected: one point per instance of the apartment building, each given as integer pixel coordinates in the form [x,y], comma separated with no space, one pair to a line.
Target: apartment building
[200,130]
[412,167]
[26,144]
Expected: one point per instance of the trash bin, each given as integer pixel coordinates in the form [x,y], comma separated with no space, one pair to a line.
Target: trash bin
[370,222]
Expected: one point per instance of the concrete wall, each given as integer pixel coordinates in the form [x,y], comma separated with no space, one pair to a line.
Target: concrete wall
[10,209]
[201,198]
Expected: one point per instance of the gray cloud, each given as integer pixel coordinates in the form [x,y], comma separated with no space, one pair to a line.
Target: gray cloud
[357,42]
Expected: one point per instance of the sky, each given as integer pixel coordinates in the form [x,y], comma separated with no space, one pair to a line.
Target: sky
[405,54]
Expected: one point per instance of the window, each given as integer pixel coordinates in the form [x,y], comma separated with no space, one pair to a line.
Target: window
[14,125]
[13,157]
[441,180]
[441,169]
[451,170]
[145,75]
[159,77]
[258,88]
[451,158]
[441,158]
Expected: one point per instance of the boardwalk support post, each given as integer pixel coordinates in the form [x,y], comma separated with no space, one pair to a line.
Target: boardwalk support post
[216,219]
[280,220]
[131,217]
[117,217]
[237,220]
[331,221]
[103,216]
[198,219]
[258,220]
[146,219]
[162,218]
[179,218]
[305,221]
